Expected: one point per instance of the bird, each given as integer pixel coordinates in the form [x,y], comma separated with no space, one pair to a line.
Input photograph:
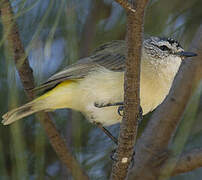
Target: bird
[94,85]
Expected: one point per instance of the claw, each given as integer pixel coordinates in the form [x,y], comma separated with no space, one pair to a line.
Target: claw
[112,155]
[120,110]
[140,116]
[132,160]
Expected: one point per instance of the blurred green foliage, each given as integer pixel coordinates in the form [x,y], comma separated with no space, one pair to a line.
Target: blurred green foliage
[58,33]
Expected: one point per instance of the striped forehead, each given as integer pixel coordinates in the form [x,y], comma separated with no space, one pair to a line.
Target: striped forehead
[162,43]
[169,42]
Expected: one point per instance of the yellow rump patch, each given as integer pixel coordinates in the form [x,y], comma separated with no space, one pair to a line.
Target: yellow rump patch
[62,84]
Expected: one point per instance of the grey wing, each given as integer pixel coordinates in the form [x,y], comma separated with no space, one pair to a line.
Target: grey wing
[110,55]
[76,71]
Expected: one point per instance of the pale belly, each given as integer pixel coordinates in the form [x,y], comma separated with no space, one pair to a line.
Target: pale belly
[102,89]
[108,88]
[106,116]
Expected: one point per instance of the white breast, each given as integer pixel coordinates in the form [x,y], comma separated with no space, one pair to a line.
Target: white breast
[156,80]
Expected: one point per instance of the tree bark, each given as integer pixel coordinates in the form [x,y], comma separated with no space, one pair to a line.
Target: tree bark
[128,131]
[126,5]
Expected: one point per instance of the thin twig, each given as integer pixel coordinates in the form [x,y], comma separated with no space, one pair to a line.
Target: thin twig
[129,123]
[162,126]
[25,72]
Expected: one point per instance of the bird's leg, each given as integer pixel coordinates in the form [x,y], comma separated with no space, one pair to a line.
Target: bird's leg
[112,156]
[120,108]
[102,105]
[106,132]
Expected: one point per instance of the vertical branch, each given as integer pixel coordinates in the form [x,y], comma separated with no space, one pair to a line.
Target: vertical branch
[25,72]
[129,123]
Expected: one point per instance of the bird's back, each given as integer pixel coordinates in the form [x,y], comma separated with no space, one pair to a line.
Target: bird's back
[109,55]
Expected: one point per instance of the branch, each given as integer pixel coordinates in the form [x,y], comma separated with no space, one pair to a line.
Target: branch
[25,72]
[126,5]
[158,133]
[129,124]
[188,161]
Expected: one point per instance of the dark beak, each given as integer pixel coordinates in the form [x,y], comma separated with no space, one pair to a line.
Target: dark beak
[184,54]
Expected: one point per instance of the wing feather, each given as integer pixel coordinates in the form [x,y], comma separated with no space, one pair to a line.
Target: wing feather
[110,55]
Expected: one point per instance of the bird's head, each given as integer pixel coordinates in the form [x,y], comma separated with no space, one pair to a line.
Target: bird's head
[158,48]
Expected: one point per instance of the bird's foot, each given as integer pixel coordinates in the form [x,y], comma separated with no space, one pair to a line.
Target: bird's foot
[120,108]
[113,155]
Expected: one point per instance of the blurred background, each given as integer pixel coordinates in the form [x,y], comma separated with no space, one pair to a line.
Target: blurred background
[55,34]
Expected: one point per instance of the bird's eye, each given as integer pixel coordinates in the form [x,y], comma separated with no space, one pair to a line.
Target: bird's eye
[164,48]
